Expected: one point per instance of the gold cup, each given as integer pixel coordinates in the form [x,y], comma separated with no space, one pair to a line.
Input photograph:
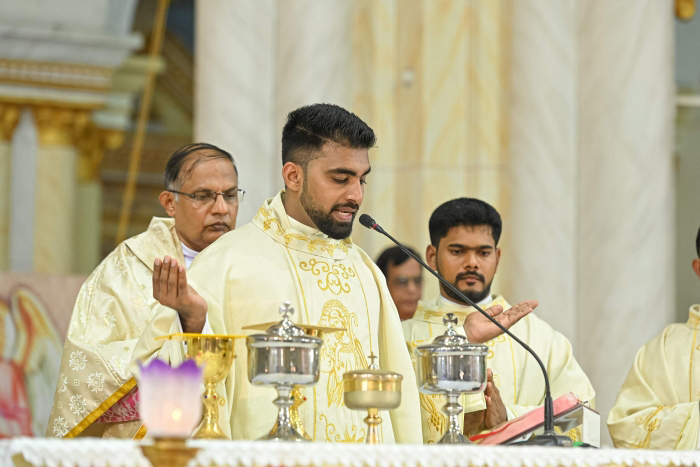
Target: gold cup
[215,352]
[373,390]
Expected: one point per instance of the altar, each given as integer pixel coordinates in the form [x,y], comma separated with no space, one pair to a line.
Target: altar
[93,452]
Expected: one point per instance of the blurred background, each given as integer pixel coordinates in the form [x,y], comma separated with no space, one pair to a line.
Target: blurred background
[579,120]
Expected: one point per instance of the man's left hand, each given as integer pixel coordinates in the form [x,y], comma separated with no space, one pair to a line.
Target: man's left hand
[480,329]
[496,412]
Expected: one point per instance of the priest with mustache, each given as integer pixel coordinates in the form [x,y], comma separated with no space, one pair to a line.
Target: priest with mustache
[464,235]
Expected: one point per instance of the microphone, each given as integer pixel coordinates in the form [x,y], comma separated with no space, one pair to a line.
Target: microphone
[549,438]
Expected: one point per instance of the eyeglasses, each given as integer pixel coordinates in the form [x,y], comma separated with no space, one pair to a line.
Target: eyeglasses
[206,197]
[403,282]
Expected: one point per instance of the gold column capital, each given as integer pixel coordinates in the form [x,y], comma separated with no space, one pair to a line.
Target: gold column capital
[62,126]
[685,9]
[9,117]
[92,145]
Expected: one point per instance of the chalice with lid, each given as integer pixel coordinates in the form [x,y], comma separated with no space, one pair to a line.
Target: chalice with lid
[284,357]
[450,365]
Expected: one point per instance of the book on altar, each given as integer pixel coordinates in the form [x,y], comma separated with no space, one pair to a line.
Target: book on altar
[571,416]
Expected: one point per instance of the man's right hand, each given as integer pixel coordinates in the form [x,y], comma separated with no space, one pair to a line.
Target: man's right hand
[170,289]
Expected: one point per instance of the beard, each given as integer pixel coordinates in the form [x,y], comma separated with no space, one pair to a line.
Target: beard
[323,220]
[472,295]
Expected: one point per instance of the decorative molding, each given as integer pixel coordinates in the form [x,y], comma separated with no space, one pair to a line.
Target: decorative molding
[56,75]
[9,117]
[60,125]
[92,146]
[685,9]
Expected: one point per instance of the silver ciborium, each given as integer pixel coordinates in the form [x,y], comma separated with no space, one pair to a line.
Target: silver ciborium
[450,365]
[284,357]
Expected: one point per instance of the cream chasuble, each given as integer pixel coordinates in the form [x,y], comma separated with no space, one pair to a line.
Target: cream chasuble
[657,407]
[112,309]
[245,276]
[516,374]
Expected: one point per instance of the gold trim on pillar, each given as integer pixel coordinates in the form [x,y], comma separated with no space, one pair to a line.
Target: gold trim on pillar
[9,117]
[685,9]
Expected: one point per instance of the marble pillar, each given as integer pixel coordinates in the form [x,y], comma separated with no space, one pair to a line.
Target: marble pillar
[626,233]
[9,117]
[592,188]
[543,231]
[23,166]
[235,69]
[56,187]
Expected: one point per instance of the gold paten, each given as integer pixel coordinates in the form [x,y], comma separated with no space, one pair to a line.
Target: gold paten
[168,452]
[296,395]
[215,352]
[373,390]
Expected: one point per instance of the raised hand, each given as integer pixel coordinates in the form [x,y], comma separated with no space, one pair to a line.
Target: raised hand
[480,329]
[495,408]
[170,288]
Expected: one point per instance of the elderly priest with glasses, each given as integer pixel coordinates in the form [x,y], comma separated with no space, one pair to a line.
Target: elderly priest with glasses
[96,392]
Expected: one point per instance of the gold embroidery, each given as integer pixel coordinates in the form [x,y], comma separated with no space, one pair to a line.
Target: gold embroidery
[439,313]
[353,437]
[651,424]
[436,420]
[334,275]
[322,244]
[341,351]
[680,436]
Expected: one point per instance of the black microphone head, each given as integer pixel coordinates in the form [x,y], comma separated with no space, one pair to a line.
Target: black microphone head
[367,221]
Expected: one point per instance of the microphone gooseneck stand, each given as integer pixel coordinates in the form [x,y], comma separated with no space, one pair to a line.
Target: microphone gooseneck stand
[549,437]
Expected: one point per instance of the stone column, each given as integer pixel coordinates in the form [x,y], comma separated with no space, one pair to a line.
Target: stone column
[543,231]
[9,117]
[235,70]
[56,181]
[626,234]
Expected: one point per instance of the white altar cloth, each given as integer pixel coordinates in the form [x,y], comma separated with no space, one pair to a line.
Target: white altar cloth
[93,452]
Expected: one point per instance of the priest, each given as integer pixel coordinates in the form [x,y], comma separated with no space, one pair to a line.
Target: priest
[658,406]
[464,235]
[298,249]
[96,392]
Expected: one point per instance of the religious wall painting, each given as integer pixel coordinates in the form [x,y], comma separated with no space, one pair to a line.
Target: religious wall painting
[34,314]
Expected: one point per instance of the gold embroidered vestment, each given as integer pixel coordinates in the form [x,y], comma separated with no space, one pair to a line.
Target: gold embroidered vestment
[245,276]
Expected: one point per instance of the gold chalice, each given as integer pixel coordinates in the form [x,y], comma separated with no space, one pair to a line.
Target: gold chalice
[215,352]
[296,394]
[373,390]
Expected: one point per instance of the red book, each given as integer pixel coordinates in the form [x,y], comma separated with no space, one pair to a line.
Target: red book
[525,424]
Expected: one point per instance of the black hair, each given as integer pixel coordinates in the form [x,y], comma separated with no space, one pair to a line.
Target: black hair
[697,243]
[308,128]
[394,256]
[174,177]
[468,212]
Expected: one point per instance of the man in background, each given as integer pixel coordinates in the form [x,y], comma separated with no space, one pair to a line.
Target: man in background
[404,277]
[96,392]
[658,405]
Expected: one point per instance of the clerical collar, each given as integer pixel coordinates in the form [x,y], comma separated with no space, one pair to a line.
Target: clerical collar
[447,302]
[189,255]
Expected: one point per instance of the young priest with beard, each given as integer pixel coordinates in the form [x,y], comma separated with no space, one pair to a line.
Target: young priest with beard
[298,249]
[464,236]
